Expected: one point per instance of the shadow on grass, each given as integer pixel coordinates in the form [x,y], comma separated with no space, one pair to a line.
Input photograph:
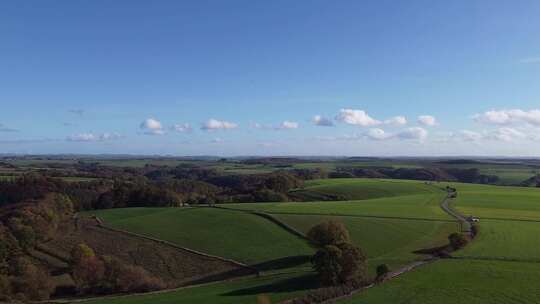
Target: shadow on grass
[282,263]
[305,282]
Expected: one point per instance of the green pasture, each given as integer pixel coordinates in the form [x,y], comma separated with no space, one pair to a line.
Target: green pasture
[232,234]
[459,281]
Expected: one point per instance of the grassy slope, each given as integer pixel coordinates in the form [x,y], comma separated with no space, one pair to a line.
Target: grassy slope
[360,189]
[245,291]
[459,281]
[481,277]
[424,206]
[389,241]
[499,202]
[232,234]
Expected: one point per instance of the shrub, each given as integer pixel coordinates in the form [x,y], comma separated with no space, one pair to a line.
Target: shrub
[457,240]
[382,271]
[80,252]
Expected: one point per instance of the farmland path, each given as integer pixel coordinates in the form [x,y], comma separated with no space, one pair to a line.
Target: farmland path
[465,224]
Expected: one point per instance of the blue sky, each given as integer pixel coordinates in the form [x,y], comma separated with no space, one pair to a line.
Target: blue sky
[249,77]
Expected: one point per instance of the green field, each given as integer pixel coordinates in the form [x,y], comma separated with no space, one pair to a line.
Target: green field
[499,266]
[236,235]
[499,202]
[389,220]
[244,291]
[512,240]
[361,188]
[388,241]
[459,281]
[421,206]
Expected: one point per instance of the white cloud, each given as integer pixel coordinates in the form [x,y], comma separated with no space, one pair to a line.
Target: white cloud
[214,124]
[427,120]
[468,135]
[506,134]
[318,120]
[287,125]
[378,134]
[88,137]
[152,126]
[506,117]
[182,128]
[356,117]
[415,133]
[396,121]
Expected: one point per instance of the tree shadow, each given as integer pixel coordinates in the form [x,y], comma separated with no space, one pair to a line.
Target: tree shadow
[282,263]
[305,282]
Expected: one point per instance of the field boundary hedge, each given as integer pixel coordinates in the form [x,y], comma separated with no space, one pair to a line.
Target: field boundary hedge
[230,261]
[270,218]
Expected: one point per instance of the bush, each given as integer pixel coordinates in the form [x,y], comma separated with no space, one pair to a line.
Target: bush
[80,252]
[457,240]
[382,271]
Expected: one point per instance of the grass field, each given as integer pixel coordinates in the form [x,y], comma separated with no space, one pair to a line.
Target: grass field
[512,240]
[388,220]
[361,188]
[499,202]
[459,281]
[499,266]
[389,241]
[278,287]
[236,235]
[423,206]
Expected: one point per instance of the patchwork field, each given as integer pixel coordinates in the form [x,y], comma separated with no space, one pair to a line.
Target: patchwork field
[389,220]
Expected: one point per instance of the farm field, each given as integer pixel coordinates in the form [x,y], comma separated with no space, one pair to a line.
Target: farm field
[404,218]
[421,206]
[497,267]
[385,241]
[361,188]
[505,239]
[498,202]
[459,281]
[231,234]
[244,291]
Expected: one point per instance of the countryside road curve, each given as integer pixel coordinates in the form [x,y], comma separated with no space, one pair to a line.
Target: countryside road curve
[445,205]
